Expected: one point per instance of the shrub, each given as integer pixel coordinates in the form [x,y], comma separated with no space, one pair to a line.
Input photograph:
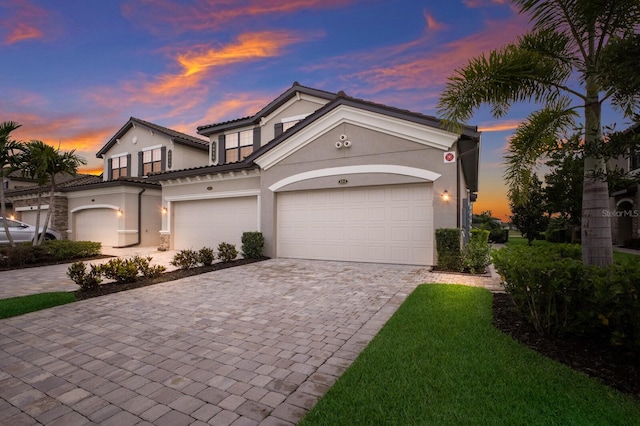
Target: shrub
[227,252]
[558,231]
[556,293]
[86,280]
[448,248]
[185,259]
[121,270]
[146,269]
[66,250]
[206,256]
[252,245]
[499,236]
[476,255]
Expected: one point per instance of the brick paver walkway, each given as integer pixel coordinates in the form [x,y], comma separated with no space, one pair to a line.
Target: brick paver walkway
[256,344]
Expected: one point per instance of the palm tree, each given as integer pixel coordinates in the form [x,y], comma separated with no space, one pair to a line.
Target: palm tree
[43,162]
[32,166]
[564,64]
[8,148]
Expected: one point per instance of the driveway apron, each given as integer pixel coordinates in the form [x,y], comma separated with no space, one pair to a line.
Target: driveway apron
[255,344]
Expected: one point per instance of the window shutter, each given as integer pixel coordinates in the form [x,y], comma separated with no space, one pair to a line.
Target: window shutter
[256,138]
[223,156]
[278,129]
[163,158]
[128,165]
[140,164]
[109,169]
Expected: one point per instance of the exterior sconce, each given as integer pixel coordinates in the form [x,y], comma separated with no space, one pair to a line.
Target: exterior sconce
[445,196]
[164,210]
[119,213]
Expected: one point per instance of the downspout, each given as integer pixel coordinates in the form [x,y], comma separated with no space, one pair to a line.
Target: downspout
[139,222]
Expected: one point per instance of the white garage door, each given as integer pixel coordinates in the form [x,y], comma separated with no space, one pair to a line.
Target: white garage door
[386,224]
[99,225]
[29,216]
[207,223]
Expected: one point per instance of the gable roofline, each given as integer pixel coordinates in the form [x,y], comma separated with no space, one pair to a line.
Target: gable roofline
[209,129]
[204,170]
[342,99]
[175,136]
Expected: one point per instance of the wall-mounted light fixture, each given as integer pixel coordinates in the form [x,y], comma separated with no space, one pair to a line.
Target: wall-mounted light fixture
[119,213]
[164,210]
[445,196]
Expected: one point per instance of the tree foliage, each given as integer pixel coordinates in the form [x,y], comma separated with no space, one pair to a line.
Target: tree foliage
[530,216]
[570,62]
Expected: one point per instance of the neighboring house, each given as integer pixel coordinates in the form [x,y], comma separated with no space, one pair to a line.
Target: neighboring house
[326,176]
[625,204]
[122,207]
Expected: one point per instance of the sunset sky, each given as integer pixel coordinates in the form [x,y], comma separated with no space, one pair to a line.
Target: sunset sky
[74,71]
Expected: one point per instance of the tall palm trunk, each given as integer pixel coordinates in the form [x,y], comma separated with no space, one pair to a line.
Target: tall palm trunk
[49,211]
[597,248]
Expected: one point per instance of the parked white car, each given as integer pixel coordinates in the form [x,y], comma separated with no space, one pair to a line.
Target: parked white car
[23,232]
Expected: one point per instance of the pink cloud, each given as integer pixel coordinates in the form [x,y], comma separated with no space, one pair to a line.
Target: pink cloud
[432,24]
[214,15]
[24,21]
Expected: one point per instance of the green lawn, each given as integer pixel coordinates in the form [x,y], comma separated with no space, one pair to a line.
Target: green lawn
[517,240]
[25,304]
[440,361]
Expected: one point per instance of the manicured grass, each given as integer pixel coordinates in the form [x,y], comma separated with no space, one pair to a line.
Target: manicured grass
[440,361]
[25,304]
[521,241]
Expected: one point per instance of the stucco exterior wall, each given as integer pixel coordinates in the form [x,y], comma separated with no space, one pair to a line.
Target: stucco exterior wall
[368,147]
[296,106]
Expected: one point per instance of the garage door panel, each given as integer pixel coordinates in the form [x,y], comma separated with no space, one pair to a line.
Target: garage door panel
[373,224]
[98,225]
[207,223]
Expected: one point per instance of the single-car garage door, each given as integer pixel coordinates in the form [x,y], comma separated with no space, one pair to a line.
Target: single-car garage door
[386,224]
[99,225]
[30,216]
[207,223]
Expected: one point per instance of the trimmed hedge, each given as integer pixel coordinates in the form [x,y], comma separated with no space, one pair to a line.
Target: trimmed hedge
[55,251]
[448,248]
[558,294]
[252,245]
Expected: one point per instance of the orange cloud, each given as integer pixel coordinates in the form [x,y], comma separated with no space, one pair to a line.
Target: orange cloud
[214,15]
[23,21]
[500,126]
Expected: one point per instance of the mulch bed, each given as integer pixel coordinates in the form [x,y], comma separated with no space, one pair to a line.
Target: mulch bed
[50,262]
[113,287]
[611,365]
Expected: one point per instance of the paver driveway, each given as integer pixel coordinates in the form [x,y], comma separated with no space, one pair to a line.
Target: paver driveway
[256,344]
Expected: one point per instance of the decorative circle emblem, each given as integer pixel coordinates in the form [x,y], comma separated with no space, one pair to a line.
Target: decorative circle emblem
[449,156]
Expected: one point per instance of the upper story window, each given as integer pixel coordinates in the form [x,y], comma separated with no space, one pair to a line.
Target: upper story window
[238,146]
[151,161]
[119,166]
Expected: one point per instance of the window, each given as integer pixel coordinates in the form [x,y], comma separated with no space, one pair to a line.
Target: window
[119,167]
[151,161]
[238,146]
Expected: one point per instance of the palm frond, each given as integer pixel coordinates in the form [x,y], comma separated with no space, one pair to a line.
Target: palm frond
[514,73]
[535,138]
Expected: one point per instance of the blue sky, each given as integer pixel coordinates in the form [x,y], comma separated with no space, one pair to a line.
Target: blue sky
[74,71]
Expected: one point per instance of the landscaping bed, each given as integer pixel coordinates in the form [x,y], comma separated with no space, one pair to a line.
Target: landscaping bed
[114,287]
[609,364]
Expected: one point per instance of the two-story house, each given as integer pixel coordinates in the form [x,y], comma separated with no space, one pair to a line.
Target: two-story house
[326,176]
[322,175]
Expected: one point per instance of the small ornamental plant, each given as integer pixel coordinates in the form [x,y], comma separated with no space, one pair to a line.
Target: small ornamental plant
[227,252]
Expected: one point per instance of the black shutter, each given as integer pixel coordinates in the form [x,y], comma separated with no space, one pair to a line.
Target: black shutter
[140,164]
[221,149]
[163,158]
[278,129]
[109,169]
[128,165]
[256,138]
